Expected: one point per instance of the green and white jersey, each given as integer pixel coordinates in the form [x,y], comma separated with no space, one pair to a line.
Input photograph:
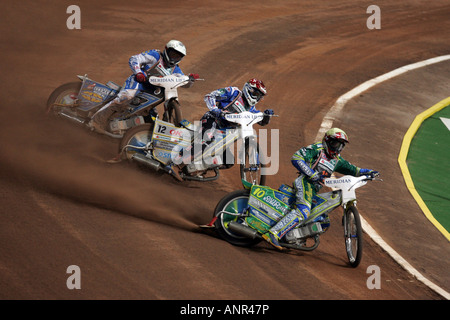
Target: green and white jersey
[316,159]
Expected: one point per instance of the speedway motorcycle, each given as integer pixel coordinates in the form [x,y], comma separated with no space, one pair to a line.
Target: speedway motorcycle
[160,143]
[78,101]
[243,216]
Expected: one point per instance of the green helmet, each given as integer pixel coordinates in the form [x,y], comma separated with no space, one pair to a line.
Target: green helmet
[334,141]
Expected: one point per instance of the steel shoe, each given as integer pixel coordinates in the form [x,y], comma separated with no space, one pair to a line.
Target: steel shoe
[272,239]
[96,126]
[173,171]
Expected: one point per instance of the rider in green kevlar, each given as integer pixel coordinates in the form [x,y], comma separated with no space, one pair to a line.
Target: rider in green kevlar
[314,163]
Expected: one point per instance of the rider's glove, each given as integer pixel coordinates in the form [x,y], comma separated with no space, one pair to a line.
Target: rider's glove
[140,77]
[193,77]
[369,172]
[316,177]
[216,112]
[266,119]
[317,180]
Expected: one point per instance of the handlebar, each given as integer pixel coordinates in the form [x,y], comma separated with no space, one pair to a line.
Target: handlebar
[166,80]
[373,177]
[369,177]
[189,79]
[224,113]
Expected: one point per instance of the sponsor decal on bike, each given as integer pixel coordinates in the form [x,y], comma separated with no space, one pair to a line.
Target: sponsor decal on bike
[102,91]
[175,132]
[283,197]
[232,116]
[262,217]
[336,181]
[267,210]
[162,154]
[273,202]
[257,224]
[166,80]
[91,96]
[163,144]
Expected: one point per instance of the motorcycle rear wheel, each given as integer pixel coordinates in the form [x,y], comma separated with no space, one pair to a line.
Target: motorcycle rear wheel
[235,202]
[353,235]
[65,94]
[251,165]
[138,136]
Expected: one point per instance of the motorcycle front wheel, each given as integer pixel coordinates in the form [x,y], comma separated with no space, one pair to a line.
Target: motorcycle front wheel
[251,166]
[229,209]
[353,235]
[173,113]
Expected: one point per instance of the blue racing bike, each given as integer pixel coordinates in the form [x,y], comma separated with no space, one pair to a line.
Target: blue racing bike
[78,101]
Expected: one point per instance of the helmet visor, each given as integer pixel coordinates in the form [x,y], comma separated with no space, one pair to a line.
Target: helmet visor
[255,93]
[174,56]
[336,145]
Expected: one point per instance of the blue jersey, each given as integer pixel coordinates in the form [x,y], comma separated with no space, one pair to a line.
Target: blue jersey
[226,97]
[149,62]
[151,59]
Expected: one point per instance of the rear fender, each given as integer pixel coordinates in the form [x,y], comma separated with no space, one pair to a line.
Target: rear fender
[93,93]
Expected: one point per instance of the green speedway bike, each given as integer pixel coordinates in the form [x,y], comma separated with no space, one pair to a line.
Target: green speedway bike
[243,216]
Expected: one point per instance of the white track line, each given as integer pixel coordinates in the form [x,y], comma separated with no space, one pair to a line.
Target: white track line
[342,100]
[327,124]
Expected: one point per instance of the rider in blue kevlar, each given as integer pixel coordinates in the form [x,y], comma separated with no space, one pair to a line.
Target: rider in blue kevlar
[314,163]
[231,99]
[227,100]
[152,62]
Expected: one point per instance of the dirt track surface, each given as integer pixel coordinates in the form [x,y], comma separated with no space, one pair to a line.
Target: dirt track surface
[134,234]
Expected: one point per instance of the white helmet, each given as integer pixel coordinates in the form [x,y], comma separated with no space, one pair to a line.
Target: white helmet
[174,52]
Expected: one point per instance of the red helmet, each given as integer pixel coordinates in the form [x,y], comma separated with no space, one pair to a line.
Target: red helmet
[334,141]
[254,90]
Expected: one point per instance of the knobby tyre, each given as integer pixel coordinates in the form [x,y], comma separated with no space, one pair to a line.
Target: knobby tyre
[235,202]
[174,114]
[251,163]
[353,236]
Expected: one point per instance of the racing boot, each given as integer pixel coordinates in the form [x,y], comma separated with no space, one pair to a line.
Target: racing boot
[287,223]
[99,120]
[171,168]
[96,126]
[272,239]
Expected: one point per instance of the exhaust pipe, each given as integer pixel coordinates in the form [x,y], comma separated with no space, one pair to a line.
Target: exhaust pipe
[243,230]
[147,161]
